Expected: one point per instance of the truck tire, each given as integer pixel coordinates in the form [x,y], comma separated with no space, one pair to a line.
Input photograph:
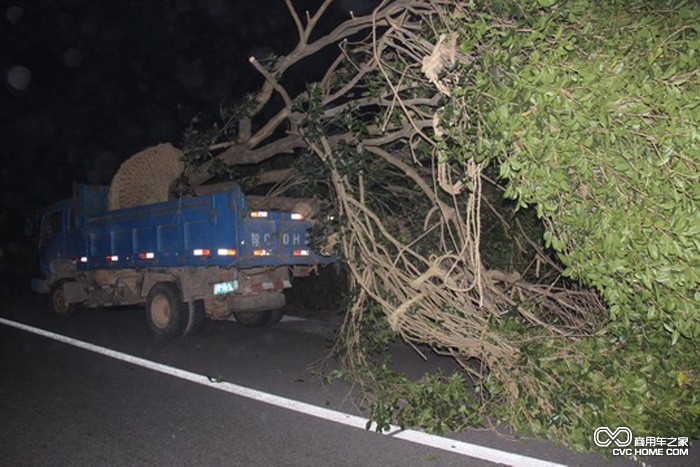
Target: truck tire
[276,316]
[195,318]
[59,305]
[256,310]
[252,319]
[166,313]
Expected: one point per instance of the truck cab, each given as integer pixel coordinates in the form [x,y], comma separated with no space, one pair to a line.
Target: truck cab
[58,237]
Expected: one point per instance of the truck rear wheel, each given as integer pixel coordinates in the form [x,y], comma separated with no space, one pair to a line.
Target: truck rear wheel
[257,310]
[252,319]
[166,313]
[60,306]
[195,318]
[276,316]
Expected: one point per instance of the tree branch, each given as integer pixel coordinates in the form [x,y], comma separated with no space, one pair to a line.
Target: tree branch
[273,82]
[297,20]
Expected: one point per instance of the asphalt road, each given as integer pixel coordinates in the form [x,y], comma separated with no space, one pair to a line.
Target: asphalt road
[62,405]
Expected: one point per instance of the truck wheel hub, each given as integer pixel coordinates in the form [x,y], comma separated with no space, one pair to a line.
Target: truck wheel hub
[160,311]
[59,302]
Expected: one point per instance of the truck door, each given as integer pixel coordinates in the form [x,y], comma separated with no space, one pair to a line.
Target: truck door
[52,239]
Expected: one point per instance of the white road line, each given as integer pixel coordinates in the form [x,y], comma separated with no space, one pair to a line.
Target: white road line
[418,437]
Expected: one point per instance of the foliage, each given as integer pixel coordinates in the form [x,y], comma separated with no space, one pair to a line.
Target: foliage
[637,382]
[437,402]
[601,135]
[591,111]
[200,139]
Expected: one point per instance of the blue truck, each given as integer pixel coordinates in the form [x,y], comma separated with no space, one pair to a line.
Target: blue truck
[185,259]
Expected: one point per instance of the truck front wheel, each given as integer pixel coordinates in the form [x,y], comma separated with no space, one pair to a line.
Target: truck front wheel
[196,316]
[59,304]
[166,313]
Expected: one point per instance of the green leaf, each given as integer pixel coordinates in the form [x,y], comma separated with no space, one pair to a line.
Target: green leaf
[674,336]
[546,3]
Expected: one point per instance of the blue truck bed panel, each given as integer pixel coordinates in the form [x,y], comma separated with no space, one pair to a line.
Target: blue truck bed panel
[91,200]
[210,230]
[184,232]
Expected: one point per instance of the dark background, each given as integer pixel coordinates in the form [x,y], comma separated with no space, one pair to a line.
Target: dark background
[86,84]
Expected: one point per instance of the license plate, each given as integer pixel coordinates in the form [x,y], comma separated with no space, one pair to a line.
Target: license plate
[225,287]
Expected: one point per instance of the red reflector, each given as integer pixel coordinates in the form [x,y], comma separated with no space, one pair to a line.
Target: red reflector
[301,252]
[112,258]
[202,252]
[148,255]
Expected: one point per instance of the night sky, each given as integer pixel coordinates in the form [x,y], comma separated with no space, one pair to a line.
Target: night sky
[88,83]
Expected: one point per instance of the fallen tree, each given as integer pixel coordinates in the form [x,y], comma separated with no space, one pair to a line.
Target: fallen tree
[419,100]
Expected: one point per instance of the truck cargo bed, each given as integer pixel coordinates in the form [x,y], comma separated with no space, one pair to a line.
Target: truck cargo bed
[208,230]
